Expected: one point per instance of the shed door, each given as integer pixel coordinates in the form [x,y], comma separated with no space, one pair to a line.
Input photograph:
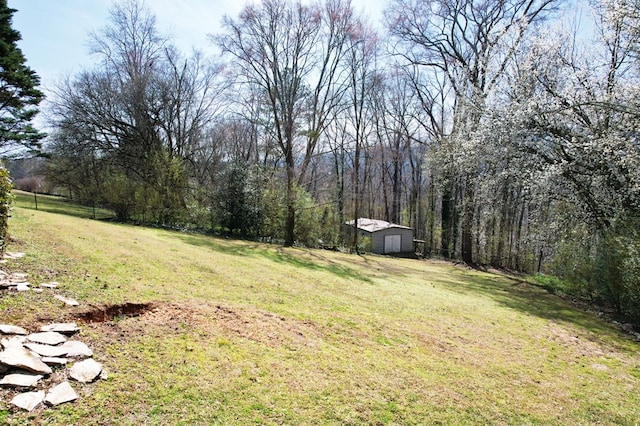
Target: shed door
[392,243]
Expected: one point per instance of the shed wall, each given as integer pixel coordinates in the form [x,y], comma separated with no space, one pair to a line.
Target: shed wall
[377,239]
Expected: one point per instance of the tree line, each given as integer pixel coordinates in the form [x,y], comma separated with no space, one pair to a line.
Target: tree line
[496,129]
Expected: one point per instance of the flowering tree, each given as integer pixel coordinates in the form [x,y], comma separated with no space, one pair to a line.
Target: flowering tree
[469,44]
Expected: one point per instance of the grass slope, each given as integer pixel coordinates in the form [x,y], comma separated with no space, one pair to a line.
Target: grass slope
[246,333]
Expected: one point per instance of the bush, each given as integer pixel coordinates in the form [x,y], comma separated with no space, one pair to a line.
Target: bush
[119,194]
[573,264]
[365,244]
[619,268]
[606,269]
[272,211]
[552,284]
[6,199]
[307,230]
[330,226]
[238,198]
[30,184]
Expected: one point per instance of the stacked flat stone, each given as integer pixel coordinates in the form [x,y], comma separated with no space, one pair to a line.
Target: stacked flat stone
[16,281]
[27,358]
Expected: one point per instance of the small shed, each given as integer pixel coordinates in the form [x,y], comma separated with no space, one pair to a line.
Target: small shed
[386,237]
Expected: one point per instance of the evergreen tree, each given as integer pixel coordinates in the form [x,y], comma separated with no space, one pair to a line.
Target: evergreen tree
[19,92]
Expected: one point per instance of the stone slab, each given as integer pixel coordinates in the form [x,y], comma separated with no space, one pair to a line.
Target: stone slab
[64,328]
[13,342]
[47,338]
[18,277]
[67,301]
[77,349]
[24,359]
[53,360]
[52,284]
[60,394]
[28,400]
[12,329]
[47,350]
[21,380]
[85,371]
[13,255]
[23,286]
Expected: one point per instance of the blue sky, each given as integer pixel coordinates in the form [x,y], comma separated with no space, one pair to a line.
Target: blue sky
[55,32]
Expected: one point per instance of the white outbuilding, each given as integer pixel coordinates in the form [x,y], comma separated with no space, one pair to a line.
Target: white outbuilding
[384,237]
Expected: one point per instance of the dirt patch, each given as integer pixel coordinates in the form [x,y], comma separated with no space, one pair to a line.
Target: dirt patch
[114,312]
[266,327]
[131,319]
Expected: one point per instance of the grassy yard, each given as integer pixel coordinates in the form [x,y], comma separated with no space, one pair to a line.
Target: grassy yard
[234,332]
[54,204]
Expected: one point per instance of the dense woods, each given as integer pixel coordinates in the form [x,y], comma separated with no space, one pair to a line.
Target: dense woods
[502,131]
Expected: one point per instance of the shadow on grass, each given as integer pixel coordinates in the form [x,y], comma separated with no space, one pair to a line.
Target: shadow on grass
[532,300]
[276,254]
[59,205]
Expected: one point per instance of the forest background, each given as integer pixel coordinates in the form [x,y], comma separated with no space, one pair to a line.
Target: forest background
[497,130]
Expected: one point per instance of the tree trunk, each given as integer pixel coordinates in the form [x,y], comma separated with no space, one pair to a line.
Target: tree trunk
[290,224]
[432,217]
[467,222]
[503,231]
[448,221]
[356,198]
[395,191]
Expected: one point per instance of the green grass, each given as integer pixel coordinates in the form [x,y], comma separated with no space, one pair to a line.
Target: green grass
[55,204]
[246,333]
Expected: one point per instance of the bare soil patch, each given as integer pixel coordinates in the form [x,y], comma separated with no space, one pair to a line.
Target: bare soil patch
[213,319]
[112,312]
[266,327]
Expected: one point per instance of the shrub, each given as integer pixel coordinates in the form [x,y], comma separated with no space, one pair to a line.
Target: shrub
[573,263]
[307,230]
[30,184]
[119,195]
[6,199]
[553,284]
[605,268]
[619,268]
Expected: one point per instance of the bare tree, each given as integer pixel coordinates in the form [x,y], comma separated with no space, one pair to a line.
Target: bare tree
[292,52]
[144,111]
[361,63]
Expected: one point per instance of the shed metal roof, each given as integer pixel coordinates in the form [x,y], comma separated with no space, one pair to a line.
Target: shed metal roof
[374,225]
